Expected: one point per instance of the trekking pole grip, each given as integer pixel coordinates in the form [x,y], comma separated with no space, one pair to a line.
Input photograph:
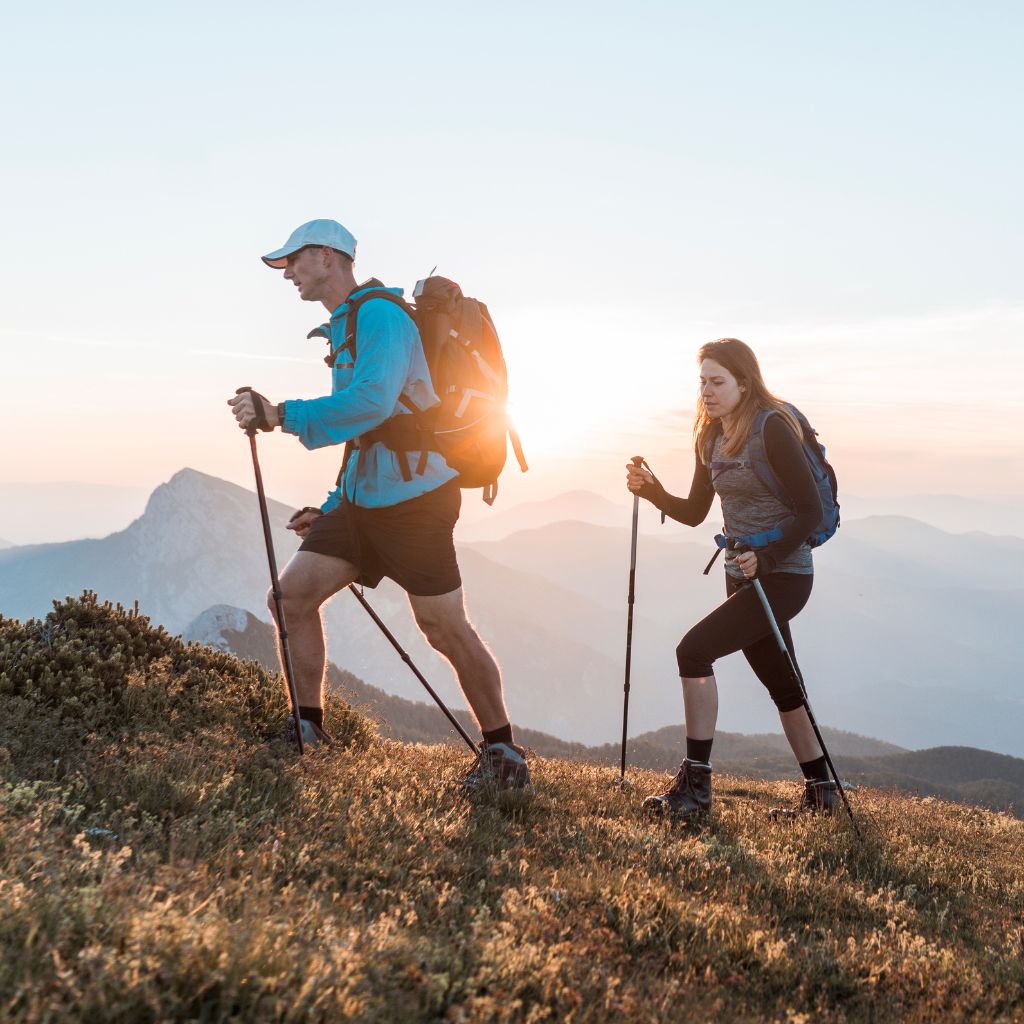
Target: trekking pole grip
[251,429]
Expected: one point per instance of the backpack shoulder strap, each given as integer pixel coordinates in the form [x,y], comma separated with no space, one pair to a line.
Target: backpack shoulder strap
[759,461]
[373,289]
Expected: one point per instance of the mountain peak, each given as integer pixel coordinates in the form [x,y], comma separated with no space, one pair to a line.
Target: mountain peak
[190,478]
[190,492]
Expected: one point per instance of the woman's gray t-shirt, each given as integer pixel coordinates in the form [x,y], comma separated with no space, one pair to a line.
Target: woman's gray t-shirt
[749,507]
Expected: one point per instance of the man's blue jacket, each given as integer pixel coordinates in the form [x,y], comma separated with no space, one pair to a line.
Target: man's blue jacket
[389,362]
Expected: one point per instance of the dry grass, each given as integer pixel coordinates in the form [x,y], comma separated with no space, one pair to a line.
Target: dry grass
[234,882]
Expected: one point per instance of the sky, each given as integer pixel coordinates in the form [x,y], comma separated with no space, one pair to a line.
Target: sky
[837,185]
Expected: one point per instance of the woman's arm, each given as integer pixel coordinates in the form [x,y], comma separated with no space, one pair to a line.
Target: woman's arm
[786,454]
[692,510]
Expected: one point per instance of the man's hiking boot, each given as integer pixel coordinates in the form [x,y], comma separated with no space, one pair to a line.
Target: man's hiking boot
[688,797]
[313,737]
[821,796]
[499,765]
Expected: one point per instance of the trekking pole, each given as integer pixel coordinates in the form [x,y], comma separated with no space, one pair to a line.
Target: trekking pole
[282,629]
[637,461]
[415,671]
[803,693]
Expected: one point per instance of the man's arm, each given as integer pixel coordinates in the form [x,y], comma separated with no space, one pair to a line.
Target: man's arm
[385,346]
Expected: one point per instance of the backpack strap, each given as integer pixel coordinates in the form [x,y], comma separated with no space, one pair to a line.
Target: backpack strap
[373,289]
[517,448]
[404,433]
[760,463]
[349,448]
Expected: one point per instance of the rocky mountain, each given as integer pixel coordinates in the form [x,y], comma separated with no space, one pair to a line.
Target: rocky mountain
[198,542]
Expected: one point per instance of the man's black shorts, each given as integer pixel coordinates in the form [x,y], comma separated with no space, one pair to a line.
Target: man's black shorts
[410,542]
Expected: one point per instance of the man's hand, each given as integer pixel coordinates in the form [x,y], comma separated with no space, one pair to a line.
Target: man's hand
[300,522]
[251,409]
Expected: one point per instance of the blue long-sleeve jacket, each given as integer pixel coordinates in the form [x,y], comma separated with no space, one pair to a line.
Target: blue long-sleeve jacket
[389,362]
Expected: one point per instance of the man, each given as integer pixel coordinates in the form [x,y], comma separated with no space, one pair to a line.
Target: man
[377,522]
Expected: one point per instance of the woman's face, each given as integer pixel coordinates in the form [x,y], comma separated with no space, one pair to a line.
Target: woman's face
[719,389]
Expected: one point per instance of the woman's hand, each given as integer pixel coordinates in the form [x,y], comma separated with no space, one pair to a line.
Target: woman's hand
[637,479]
[747,562]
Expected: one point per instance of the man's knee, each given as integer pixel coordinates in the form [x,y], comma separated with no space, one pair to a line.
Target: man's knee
[445,631]
[297,600]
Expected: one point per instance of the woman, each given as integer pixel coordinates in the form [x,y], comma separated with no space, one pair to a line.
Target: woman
[728,429]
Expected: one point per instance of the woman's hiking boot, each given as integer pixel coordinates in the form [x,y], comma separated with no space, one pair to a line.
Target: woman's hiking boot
[313,737]
[499,765]
[821,796]
[688,797]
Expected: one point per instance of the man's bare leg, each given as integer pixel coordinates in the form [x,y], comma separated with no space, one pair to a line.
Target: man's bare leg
[308,580]
[446,626]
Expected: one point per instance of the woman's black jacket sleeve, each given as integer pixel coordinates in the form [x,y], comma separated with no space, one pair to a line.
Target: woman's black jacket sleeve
[691,511]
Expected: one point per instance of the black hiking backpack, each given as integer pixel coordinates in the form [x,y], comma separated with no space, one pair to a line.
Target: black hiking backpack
[470,427]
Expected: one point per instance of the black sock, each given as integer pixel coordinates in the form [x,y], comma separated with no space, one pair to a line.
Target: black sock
[699,750]
[314,715]
[816,770]
[502,735]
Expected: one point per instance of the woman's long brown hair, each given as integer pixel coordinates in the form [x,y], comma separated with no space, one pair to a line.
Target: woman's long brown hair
[739,359]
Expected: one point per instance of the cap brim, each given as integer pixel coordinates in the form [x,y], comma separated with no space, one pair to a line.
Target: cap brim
[278,259]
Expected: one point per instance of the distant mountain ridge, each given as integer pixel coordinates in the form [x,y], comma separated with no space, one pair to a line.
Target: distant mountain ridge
[998,514]
[571,506]
[56,511]
[954,773]
[900,640]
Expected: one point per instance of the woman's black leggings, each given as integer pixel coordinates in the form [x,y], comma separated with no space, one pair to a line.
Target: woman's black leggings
[740,624]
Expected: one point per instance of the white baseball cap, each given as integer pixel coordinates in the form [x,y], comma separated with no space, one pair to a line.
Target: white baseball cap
[328,233]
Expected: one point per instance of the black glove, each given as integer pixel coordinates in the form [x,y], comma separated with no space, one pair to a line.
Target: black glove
[260,408]
[303,511]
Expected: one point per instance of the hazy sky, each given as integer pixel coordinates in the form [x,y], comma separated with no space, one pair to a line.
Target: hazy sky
[838,185]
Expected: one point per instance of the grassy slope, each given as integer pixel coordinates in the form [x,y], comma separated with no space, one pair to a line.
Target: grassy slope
[963,774]
[239,883]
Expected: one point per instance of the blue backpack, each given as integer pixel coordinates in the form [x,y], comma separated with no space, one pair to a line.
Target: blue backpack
[823,473]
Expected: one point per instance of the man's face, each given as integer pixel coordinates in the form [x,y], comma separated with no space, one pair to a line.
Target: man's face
[307,270]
